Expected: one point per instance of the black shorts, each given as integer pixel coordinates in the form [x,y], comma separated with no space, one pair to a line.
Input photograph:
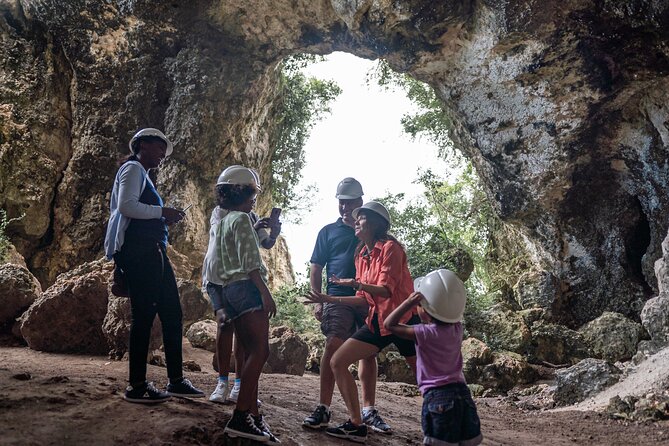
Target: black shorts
[406,347]
[449,416]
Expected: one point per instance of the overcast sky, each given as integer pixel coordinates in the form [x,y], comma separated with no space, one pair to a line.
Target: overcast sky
[362,138]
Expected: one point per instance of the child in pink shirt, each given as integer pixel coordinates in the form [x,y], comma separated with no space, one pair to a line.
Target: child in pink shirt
[449,414]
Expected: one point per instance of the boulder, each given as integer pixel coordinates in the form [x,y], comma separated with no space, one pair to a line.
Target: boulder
[536,289]
[287,352]
[202,334]
[116,324]
[316,343]
[68,316]
[502,329]
[661,267]
[507,370]
[475,354]
[116,327]
[556,344]
[583,380]
[394,367]
[612,337]
[194,305]
[18,290]
[655,318]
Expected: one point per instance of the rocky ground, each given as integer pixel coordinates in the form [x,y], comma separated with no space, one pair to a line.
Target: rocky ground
[53,399]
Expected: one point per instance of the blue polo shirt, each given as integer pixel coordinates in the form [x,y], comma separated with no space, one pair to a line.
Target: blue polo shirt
[335,250]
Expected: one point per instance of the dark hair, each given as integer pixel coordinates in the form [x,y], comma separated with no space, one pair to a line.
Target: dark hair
[136,143]
[127,158]
[232,195]
[380,227]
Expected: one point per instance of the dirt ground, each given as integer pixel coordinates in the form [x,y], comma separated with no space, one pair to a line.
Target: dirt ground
[53,399]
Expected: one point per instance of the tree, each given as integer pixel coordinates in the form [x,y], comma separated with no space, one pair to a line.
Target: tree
[303,101]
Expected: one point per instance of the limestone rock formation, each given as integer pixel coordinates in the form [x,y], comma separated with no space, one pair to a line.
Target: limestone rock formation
[394,367]
[287,352]
[612,337]
[194,305]
[68,316]
[584,379]
[202,334]
[562,107]
[18,290]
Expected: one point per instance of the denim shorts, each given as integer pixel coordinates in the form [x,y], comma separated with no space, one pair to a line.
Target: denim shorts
[239,298]
[215,293]
[449,417]
[341,321]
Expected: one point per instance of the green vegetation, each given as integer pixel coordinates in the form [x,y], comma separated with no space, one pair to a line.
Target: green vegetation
[303,101]
[452,226]
[291,311]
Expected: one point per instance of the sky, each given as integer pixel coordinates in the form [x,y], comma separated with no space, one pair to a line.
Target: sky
[361,138]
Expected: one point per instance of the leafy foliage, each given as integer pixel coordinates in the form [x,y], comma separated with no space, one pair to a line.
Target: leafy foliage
[453,225]
[303,101]
[291,311]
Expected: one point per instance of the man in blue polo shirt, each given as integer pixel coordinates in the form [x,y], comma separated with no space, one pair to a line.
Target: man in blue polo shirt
[335,251]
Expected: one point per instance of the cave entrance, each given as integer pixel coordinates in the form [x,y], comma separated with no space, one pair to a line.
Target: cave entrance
[367,136]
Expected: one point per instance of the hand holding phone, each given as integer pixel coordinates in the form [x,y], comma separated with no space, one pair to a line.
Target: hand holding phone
[274,217]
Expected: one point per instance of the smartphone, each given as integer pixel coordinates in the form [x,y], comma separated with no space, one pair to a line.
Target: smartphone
[274,216]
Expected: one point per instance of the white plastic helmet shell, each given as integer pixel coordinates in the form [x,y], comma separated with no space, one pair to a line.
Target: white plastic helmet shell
[445,295]
[152,132]
[375,207]
[239,175]
[349,189]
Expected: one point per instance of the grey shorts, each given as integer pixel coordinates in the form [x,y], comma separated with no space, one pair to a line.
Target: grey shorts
[341,321]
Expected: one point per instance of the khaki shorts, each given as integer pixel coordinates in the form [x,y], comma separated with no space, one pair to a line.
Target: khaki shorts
[341,321]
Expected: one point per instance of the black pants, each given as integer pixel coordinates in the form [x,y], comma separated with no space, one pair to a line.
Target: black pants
[153,290]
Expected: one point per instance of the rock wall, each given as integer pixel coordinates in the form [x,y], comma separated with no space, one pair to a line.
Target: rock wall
[562,106]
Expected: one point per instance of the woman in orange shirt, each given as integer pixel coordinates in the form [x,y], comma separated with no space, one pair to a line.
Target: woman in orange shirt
[382,282]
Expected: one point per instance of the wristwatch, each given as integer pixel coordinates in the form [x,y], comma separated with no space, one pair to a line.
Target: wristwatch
[359,286]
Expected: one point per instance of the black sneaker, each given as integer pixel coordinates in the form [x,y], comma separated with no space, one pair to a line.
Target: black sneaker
[145,394]
[263,426]
[320,418]
[349,431]
[184,388]
[374,420]
[242,425]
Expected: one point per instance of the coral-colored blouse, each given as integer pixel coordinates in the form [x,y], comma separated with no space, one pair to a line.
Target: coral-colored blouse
[386,265]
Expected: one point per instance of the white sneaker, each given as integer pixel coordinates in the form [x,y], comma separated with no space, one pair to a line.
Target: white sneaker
[220,394]
[234,394]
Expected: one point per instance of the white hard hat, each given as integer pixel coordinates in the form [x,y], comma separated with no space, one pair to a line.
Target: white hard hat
[445,295]
[152,132]
[375,207]
[349,189]
[239,175]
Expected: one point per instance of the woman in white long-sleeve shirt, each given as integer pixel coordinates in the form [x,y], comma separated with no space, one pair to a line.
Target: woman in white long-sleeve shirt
[137,241]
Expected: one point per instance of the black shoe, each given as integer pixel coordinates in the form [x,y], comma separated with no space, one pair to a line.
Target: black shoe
[374,420]
[184,388]
[242,425]
[349,431]
[320,418]
[263,426]
[145,394]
